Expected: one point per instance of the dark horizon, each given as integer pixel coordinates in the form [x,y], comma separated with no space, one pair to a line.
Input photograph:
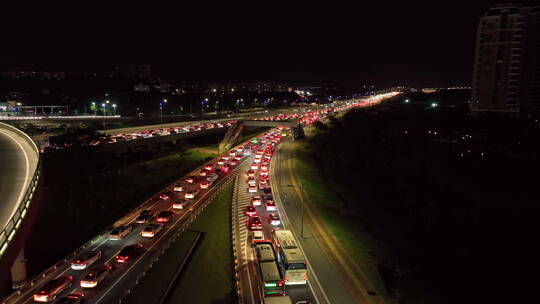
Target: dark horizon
[413,45]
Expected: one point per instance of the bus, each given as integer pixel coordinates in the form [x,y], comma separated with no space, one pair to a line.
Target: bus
[290,258]
[277,300]
[271,279]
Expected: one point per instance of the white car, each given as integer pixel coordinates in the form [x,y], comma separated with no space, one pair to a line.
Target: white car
[252,189]
[151,230]
[257,235]
[205,185]
[191,194]
[254,166]
[181,204]
[257,160]
[120,232]
[251,181]
[178,188]
[85,260]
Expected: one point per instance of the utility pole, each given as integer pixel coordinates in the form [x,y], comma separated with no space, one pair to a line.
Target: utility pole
[302,213]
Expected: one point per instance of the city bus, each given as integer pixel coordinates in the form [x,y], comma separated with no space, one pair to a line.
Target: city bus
[277,300]
[290,258]
[271,279]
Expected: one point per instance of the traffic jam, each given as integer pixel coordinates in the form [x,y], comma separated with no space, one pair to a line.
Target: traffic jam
[87,276]
[279,263]
[91,270]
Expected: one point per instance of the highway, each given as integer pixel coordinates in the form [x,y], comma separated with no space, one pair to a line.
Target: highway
[18,162]
[123,276]
[251,288]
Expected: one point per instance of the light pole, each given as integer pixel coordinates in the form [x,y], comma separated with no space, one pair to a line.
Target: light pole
[161,104]
[104,129]
[114,109]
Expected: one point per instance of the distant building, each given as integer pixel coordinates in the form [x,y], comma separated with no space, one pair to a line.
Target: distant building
[507,65]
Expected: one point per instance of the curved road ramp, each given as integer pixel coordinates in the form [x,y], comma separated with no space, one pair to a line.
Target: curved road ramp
[19,175]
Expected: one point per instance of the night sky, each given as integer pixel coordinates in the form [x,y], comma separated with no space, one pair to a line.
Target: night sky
[410,44]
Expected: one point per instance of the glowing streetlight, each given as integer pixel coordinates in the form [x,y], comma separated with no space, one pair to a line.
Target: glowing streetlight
[114,109]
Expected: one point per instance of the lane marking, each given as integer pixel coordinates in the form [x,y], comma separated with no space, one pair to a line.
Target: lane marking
[26,177]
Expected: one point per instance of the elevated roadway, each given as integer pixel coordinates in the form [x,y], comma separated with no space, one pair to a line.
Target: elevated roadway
[19,175]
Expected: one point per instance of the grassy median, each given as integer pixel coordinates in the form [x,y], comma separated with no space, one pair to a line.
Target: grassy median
[208,277]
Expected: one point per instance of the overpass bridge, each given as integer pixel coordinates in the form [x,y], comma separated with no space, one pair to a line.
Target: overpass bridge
[235,131]
[20,169]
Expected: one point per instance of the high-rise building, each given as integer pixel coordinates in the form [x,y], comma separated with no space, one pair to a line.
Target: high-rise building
[507,64]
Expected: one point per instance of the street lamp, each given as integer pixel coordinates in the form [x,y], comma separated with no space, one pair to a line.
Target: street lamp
[104,109]
[114,109]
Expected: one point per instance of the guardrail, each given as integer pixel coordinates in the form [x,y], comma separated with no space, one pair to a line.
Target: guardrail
[8,232]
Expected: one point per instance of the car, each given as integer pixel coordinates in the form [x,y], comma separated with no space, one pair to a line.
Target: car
[191,194]
[74,298]
[180,204]
[250,210]
[151,230]
[251,181]
[128,253]
[270,205]
[165,195]
[225,157]
[263,183]
[190,179]
[251,173]
[205,185]
[264,167]
[120,232]
[50,290]
[273,219]
[209,167]
[252,189]
[256,200]
[84,260]
[203,172]
[95,276]
[264,172]
[237,158]
[146,216]
[218,171]
[254,223]
[221,161]
[164,216]
[211,177]
[257,160]
[232,153]
[256,235]
[267,191]
[254,166]
[233,162]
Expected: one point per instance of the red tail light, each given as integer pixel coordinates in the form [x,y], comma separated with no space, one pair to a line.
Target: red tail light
[280,283]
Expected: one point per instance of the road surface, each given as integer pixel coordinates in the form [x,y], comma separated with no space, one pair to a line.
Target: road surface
[18,162]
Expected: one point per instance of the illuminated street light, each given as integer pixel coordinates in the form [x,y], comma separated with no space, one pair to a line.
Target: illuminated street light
[407,101]
[434,105]
[114,109]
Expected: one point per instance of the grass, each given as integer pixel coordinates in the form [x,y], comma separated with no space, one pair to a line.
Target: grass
[208,277]
[152,287]
[91,203]
[352,235]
